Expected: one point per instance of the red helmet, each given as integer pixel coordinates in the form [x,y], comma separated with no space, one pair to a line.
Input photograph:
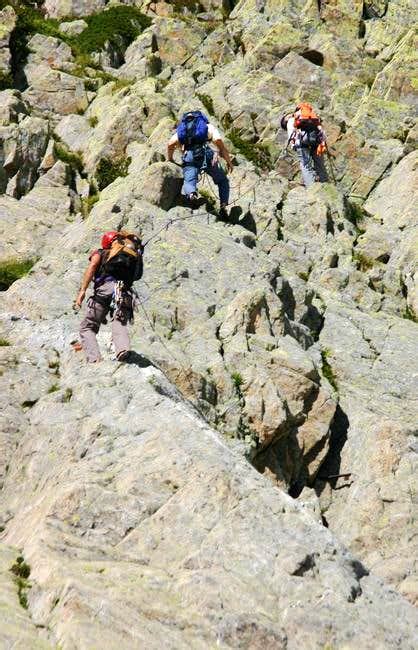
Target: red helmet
[108,238]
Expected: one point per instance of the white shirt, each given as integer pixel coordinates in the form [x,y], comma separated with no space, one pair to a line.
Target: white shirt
[290,127]
[213,134]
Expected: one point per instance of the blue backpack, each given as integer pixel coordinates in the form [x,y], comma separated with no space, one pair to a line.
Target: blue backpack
[193,129]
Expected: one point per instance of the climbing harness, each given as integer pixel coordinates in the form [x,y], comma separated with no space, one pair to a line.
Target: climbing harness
[123,303]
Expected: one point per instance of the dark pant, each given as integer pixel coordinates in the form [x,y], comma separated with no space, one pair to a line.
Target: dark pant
[194,164]
[311,166]
[96,314]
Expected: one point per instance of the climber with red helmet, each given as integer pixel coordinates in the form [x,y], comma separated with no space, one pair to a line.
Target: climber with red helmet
[114,267]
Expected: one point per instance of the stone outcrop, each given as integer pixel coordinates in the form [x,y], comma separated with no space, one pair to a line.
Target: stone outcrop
[7,25]
[248,480]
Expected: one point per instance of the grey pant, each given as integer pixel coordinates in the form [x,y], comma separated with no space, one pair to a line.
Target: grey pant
[90,325]
[311,166]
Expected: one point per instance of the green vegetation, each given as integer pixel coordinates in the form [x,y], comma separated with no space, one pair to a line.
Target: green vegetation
[27,404]
[6,81]
[227,121]
[68,393]
[363,262]
[88,203]
[75,160]
[109,170]
[355,214]
[209,198]
[253,151]
[409,314]
[327,370]
[55,366]
[4,343]
[118,84]
[237,380]
[118,26]
[93,121]
[303,275]
[207,102]
[21,572]
[12,270]
[53,388]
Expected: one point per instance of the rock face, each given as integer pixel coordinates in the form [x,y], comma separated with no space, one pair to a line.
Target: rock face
[248,480]
[7,25]
[62,8]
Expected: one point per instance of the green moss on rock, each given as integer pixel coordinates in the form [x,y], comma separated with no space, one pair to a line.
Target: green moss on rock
[118,26]
[255,152]
[327,370]
[109,170]
[21,572]
[73,159]
[121,22]
[12,270]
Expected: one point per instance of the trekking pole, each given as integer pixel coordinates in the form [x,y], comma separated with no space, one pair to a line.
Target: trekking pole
[331,166]
[334,476]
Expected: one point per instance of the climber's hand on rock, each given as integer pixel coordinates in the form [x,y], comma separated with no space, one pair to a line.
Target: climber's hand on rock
[79,300]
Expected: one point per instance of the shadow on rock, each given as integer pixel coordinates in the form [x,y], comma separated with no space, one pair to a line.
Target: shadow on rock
[139,360]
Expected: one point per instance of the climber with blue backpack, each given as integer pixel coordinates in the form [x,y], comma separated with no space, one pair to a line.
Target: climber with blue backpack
[193,134]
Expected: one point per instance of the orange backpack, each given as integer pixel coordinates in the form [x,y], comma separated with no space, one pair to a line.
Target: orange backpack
[123,260]
[305,117]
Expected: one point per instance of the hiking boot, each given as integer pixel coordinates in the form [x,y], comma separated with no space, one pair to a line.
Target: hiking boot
[193,197]
[223,213]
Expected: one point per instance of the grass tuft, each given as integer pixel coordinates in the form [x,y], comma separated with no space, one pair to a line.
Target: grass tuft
[364,263]
[255,152]
[237,380]
[12,270]
[109,170]
[21,572]
[75,160]
[327,370]
[118,26]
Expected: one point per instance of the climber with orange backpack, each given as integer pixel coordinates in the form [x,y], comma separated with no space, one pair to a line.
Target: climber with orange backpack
[307,138]
[114,268]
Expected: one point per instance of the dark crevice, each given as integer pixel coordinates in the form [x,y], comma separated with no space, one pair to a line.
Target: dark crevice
[332,462]
[288,299]
[296,488]
[330,223]
[370,11]
[384,258]
[314,57]
[359,569]
[313,319]
[308,564]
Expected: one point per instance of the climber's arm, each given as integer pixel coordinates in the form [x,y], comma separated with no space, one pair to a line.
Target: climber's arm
[89,274]
[223,151]
[173,143]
